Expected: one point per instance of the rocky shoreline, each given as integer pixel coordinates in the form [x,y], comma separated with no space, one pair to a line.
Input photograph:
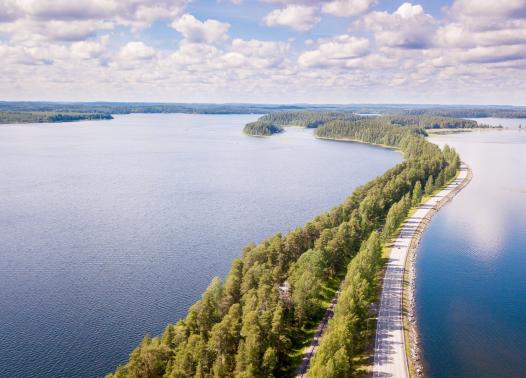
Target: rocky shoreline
[409,290]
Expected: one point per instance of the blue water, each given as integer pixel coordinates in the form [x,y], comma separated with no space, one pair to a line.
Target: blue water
[471,266]
[111,229]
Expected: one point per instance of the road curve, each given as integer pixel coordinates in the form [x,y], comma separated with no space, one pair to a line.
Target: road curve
[390,359]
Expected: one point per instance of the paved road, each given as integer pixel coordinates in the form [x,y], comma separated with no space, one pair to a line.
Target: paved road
[390,358]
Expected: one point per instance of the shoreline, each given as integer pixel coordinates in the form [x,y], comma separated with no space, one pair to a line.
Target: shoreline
[397,352]
[410,321]
[358,141]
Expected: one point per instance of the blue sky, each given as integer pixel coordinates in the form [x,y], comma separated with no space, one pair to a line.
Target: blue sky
[279,51]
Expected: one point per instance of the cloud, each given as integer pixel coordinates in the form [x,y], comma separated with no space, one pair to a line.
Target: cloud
[90,49]
[488,9]
[136,51]
[190,55]
[481,32]
[347,8]
[196,31]
[24,30]
[409,27]
[133,13]
[261,54]
[475,52]
[297,17]
[338,51]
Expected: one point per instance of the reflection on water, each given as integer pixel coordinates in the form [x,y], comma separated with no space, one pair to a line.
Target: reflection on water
[471,267]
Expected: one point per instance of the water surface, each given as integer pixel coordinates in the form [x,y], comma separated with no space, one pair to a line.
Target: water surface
[471,266]
[111,229]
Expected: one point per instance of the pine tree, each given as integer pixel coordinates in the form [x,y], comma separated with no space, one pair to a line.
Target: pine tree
[417,193]
[429,186]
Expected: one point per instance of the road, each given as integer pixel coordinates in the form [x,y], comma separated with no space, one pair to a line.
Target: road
[390,359]
[301,372]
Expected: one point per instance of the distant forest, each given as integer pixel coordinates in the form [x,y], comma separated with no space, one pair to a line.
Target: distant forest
[39,117]
[310,119]
[325,111]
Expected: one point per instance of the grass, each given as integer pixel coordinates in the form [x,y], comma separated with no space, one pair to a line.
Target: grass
[304,336]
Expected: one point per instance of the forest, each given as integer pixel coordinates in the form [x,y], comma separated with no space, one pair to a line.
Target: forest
[302,110]
[471,112]
[256,321]
[38,117]
[308,119]
[312,119]
[262,128]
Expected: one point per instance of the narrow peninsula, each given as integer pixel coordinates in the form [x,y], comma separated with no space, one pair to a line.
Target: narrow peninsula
[258,321]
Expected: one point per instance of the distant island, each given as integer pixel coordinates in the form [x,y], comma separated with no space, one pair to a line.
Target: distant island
[41,117]
[262,128]
[275,122]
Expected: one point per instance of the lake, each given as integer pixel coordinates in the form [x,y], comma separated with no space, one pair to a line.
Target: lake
[471,265]
[112,229]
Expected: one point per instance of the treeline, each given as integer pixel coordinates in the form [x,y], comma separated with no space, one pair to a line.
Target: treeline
[253,323]
[433,122]
[370,130]
[151,107]
[308,119]
[497,112]
[38,117]
[240,108]
[353,123]
[261,128]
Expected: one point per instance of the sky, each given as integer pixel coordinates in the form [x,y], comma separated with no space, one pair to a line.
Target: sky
[264,51]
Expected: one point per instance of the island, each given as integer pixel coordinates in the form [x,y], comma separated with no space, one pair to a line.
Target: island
[262,128]
[51,116]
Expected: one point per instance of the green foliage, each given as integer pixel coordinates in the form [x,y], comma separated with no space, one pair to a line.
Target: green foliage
[369,130]
[430,186]
[432,122]
[308,119]
[346,333]
[248,326]
[417,194]
[39,117]
[261,128]
[470,112]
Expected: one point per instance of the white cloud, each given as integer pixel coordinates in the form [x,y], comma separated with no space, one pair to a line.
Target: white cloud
[488,9]
[26,30]
[76,20]
[136,51]
[408,27]
[476,52]
[194,54]
[338,51]
[196,31]
[90,49]
[347,8]
[262,54]
[138,13]
[297,17]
